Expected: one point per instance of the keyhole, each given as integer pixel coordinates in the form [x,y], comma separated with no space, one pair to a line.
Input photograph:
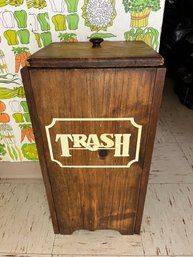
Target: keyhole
[103,153]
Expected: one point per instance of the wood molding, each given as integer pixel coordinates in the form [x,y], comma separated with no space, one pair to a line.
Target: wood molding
[12,170]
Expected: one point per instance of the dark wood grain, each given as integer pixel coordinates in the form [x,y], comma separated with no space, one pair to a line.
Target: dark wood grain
[40,146]
[82,55]
[158,88]
[95,197]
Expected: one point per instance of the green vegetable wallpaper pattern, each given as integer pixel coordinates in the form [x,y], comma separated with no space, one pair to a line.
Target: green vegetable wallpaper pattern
[28,25]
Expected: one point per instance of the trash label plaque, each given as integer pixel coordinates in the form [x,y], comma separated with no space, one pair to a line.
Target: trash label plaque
[94,142]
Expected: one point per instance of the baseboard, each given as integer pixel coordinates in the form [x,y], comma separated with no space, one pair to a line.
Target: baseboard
[12,170]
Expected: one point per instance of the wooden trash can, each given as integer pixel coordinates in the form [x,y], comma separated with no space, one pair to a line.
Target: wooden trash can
[94,112]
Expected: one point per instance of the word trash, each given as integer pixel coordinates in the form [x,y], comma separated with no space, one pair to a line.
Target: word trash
[118,142]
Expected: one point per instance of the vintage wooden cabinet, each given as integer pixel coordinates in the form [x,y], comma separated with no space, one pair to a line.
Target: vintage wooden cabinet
[94,112]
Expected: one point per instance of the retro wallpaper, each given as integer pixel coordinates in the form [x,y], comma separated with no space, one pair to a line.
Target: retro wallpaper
[28,25]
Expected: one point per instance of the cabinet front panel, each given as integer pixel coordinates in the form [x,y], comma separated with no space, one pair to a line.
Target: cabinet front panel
[94,126]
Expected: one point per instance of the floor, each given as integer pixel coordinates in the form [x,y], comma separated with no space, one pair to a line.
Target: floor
[167,229]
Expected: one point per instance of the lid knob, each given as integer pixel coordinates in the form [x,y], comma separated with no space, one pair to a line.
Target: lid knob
[96,42]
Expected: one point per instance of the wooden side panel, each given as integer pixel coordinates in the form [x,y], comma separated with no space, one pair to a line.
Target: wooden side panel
[93,198]
[33,109]
[157,96]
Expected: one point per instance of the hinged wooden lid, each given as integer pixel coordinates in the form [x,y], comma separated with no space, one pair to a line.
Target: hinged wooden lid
[83,55]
